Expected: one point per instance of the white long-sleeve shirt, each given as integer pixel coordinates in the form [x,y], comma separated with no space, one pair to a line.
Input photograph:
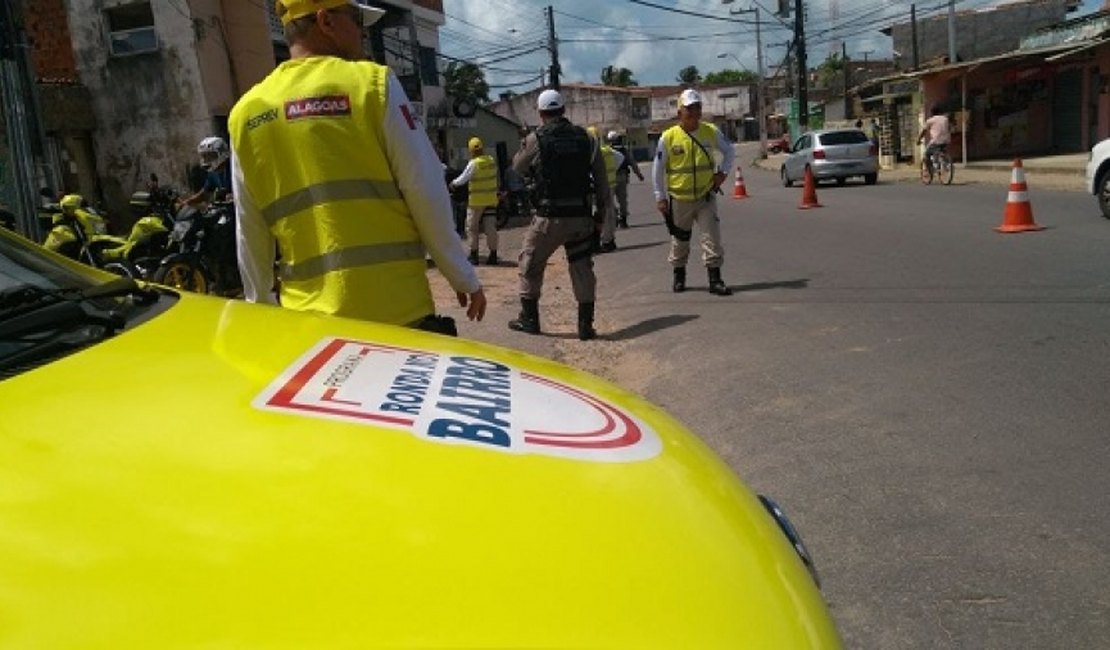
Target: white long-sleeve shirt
[419,176]
[465,176]
[659,167]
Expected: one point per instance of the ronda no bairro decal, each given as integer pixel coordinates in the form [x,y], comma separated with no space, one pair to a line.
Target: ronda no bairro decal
[457,399]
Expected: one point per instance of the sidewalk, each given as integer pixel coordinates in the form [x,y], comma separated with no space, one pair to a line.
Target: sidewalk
[1066,172]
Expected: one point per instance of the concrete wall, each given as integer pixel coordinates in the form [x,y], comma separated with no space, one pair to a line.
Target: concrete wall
[978,33]
[153,108]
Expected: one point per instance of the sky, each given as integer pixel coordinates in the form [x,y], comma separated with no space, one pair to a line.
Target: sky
[508,37]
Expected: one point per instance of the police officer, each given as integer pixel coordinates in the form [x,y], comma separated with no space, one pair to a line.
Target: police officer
[564,159]
[481,177]
[627,167]
[330,163]
[687,180]
[613,161]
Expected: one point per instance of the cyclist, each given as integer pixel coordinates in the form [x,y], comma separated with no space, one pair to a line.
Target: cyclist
[939,131]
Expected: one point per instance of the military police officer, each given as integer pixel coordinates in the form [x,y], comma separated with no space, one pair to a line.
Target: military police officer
[564,160]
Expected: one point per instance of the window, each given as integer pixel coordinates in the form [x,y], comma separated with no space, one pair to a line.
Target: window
[131,29]
[844,137]
[429,72]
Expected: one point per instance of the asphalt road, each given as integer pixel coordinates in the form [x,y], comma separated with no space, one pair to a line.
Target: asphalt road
[925,397]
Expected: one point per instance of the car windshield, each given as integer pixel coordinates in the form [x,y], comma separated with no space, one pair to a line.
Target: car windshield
[50,306]
[843,137]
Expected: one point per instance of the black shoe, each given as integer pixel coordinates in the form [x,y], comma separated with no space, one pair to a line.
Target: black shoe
[608,246]
[529,319]
[473,258]
[622,224]
[717,286]
[586,329]
[679,280]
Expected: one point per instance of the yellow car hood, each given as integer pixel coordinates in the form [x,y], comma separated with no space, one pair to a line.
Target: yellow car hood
[231,475]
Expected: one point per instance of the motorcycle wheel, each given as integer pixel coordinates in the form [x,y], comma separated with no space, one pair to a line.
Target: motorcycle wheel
[183,275]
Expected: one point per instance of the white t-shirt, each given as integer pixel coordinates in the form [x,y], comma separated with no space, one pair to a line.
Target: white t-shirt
[939,130]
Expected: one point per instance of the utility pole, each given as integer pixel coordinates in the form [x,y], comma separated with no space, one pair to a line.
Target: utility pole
[760,83]
[951,31]
[803,70]
[553,46]
[847,67]
[913,35]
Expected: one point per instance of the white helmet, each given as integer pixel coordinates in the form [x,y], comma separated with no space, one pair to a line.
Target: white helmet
[613,136]
[550,100]
[213,152]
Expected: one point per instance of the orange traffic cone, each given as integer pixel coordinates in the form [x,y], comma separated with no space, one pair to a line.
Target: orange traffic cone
[1018,216]
[738,190]
[809,192]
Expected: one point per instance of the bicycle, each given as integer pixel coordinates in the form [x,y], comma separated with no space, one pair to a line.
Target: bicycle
[942,167]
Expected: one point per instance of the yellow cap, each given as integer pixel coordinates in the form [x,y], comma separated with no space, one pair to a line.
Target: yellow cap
[474,144]
[290,10]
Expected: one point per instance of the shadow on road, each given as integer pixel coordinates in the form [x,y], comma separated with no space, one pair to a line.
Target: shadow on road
[801,283]
[649,326]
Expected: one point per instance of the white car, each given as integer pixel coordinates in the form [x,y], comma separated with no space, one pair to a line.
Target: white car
[1098,175]
[832,154]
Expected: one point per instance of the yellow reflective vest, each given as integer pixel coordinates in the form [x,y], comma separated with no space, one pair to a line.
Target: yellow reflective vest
[483,183]
[690,169]
[610,164]
[308,142]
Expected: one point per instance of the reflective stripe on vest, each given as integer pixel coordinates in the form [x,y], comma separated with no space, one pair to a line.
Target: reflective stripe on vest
[610,164]
[483,183]
[307,142]
[325,193]
[689,170]
[350,258]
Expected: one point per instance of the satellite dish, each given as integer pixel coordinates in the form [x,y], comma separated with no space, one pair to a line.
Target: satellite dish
[464,107]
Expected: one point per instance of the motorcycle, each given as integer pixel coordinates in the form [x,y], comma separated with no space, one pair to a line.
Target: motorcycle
[79,232]
[204,258]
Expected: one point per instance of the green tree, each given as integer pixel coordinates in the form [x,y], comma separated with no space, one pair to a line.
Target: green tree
[689,75]
[466,81]
[620,77]
[732,77]
[830,74]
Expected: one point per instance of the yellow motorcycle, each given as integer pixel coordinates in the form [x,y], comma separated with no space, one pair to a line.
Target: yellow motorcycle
[79,232]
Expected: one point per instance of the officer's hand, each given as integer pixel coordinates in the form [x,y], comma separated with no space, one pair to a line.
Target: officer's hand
[718,179]
[475,303]
[663,207]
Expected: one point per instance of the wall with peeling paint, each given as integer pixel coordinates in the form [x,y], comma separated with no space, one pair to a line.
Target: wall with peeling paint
[153,108]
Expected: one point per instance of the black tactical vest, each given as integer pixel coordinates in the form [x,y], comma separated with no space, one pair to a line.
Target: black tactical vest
[563,172]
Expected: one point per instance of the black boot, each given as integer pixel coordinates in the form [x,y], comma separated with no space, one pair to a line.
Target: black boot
[679,279]
[492,259]
[529,319]
[717,285]
[473,258]
[586,329]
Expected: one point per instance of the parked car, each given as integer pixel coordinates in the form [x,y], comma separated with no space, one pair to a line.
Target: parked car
[184,470]
[832,154]
[1098,175]
[778,145]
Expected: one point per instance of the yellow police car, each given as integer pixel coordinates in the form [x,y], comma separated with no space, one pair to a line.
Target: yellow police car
[184,471]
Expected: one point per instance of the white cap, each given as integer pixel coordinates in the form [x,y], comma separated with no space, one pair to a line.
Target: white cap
[550,100]
[613,135]
[689,96]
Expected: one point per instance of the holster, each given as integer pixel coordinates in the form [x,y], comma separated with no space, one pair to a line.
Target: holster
[437,324]
[675,231]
